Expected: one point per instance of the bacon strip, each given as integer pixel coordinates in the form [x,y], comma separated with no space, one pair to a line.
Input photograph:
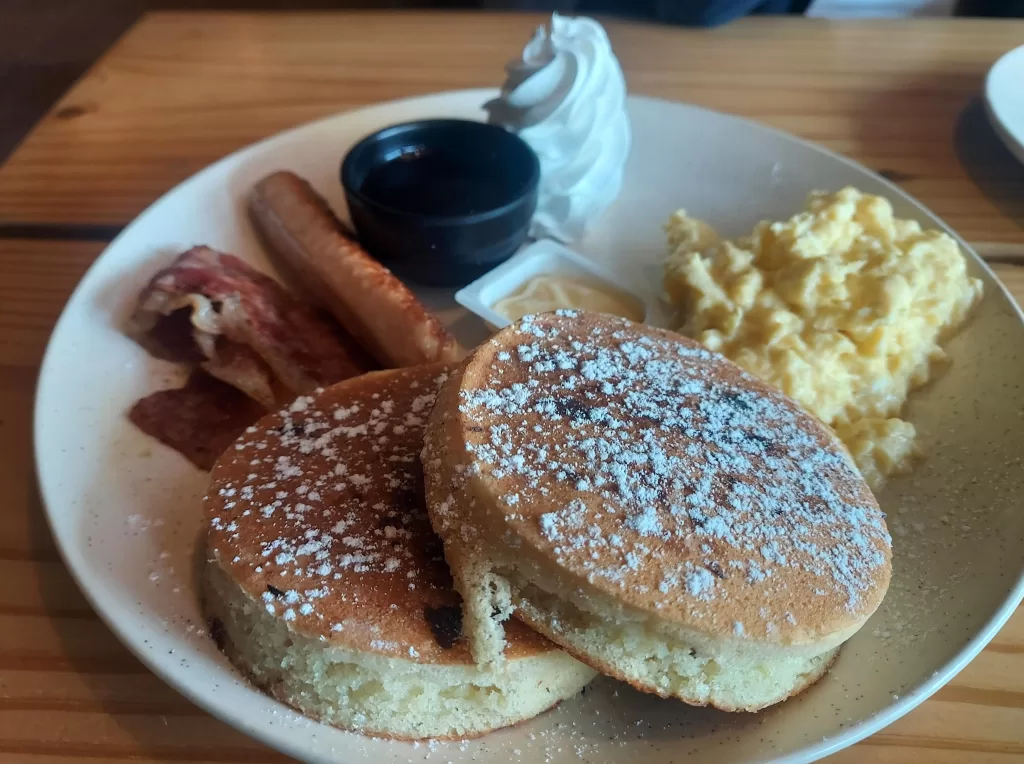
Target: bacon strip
[241,326]
[199,420]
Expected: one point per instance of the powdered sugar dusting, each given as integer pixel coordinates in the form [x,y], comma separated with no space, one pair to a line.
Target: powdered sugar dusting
[683,461]
[322,512]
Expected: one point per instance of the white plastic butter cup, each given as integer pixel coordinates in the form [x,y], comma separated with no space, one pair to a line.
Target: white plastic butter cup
[544,257]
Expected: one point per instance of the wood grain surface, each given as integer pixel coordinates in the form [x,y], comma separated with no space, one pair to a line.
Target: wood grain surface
[181,90]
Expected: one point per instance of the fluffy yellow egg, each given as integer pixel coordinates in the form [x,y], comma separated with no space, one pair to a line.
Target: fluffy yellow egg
[842,307]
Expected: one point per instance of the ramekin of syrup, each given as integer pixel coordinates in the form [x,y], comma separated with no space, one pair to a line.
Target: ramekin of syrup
[441,201]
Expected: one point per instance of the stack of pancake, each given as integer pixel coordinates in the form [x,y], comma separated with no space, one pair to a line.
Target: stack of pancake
[325,584]
[595,485]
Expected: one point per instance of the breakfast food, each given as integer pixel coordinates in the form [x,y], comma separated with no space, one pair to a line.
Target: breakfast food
[566,97]
[213,310]
[250,344]
[375,306]
[652,508]
[198,420]
[550,291]
[842,307]
[324,583]
[228,321]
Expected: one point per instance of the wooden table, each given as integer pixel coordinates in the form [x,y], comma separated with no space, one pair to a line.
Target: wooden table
[180,90]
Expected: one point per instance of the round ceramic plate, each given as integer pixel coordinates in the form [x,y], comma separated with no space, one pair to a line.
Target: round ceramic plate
[1004,99]
[126,511]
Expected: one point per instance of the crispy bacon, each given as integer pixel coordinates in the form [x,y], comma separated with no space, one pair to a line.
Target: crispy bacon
[198,420]
[254,347]
[241,326]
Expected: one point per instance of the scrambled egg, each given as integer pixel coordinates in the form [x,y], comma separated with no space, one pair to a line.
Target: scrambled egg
[841,307]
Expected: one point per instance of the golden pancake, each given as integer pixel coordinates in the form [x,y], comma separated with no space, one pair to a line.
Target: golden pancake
[652,508]
[327,585]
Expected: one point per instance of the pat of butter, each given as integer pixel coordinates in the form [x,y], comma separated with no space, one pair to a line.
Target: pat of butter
[550,291]
[546,275]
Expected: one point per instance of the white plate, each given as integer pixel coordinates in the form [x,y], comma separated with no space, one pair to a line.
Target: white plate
[1004,99]
[126,513]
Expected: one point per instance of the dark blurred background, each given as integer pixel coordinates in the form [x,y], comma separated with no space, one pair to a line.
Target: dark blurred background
[46,44]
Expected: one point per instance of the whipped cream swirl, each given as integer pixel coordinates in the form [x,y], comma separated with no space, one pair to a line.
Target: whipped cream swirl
[566,97]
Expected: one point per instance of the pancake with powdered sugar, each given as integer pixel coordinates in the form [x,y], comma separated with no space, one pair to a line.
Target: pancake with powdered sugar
[326,585]
[652,508]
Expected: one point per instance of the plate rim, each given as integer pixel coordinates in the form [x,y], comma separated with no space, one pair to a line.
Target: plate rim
[70,553]
[1013,142]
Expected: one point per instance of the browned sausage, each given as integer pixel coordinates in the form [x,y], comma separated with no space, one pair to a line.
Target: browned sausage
[369,301]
